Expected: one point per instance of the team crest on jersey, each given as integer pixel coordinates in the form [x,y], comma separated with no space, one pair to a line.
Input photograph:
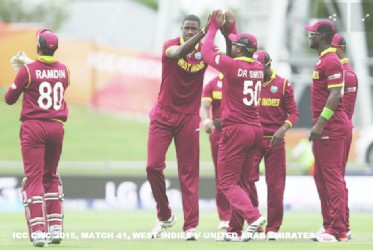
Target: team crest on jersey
[274,89]
[198,55]
[220,84]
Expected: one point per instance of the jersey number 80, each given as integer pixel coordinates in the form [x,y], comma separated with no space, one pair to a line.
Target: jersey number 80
[50,96]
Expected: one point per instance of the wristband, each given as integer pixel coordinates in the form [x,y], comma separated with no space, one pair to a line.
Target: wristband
[327,113]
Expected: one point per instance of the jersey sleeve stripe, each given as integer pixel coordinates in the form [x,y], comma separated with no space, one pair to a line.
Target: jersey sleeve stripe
[209,99]
[289,122]
[68,75]
[335,85]
[283,88]
[56,120]
[29,76]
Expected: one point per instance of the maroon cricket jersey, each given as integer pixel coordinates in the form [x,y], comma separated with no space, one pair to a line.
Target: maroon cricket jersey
[350,88]
[43,83]
[213,92]
[182,80]
[327,74]
[277,104]
[243,78]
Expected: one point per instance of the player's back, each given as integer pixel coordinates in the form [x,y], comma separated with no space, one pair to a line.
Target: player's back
[213,92]
[241,90]
[350,90]
[43,96]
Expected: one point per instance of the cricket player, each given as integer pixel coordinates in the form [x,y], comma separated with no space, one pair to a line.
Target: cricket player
[242,133]
[43,83]
[348,102]
[328,134]
[176,116]
[211,102]
[278,112]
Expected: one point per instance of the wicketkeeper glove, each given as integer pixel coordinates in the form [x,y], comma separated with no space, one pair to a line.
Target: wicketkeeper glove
[19,60]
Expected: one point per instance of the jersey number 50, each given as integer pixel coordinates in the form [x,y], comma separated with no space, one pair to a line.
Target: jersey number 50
[50,96]
[252,91]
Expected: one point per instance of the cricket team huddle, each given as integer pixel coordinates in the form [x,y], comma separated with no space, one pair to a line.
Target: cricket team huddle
[246,109]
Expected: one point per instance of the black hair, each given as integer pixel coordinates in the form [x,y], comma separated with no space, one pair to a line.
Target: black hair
[342,41]
[247,53]
[328,37]
[327,32]
[43,47]
[267,58]
[192,18]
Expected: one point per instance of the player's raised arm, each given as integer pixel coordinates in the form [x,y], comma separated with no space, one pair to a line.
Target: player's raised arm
[16,89]
[191,34]
[228,28]
[209,53]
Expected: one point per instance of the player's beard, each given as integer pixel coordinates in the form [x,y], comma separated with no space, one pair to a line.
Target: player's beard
[312,44]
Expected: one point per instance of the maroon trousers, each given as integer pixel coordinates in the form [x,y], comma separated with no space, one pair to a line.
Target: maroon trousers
[184,129]
[347,151]
[41,145]
[331,186]
[237,144]
[275,174]
[222,202]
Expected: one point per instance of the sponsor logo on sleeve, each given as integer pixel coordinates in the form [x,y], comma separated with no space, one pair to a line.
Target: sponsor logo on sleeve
[13,86]
[315,75]
[217,59]
[335,76]
[351,89]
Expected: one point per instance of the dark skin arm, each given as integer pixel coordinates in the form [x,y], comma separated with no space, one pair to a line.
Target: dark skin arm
[226,29]
[279,135]
[331,103]
[205,115]
[177,52]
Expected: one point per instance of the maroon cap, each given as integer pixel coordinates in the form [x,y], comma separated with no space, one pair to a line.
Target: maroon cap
[323,27]
[263,57]
[246,40]
[338,40]
[47,39]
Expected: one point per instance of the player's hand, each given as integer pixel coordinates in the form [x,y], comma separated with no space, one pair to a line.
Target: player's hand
[19,60]
[208,125]
[230,22]
[206,28]
[220,18]
[215,13]
[316,132]
[278,138]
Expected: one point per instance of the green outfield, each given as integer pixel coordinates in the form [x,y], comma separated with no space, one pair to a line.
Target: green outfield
[97,227]
[92,136]
[89,136]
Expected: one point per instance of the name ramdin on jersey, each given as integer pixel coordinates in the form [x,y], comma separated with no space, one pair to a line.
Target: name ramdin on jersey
[50,74]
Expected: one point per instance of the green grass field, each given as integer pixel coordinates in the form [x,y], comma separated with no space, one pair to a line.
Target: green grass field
[130,222]
[89,136]
[98,137]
